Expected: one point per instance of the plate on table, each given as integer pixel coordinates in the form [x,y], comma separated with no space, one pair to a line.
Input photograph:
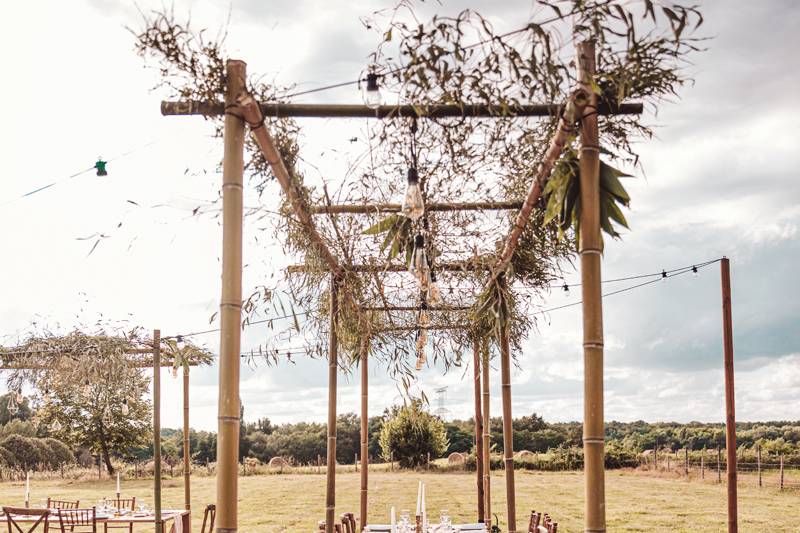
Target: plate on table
[103,516]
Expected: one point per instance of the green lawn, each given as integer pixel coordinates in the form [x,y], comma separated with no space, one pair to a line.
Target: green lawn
[294,502]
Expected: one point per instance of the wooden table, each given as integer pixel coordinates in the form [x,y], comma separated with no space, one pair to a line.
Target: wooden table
[167,516]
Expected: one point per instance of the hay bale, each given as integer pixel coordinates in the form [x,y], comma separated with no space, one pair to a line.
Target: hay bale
[278,461]
[456,458]
[524,454]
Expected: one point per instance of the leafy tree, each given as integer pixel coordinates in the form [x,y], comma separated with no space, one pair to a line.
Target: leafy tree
[413,433]
[25,452]
[58,453]
[348,437]
[460,440]
[26,428]
[90,414]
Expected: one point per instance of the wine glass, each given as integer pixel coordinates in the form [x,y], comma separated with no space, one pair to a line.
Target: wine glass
[405,515]
[444,519]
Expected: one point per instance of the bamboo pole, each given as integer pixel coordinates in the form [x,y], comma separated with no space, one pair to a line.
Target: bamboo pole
[487,466]
[590,254]
[730,408]
[364,209]
[230,311]
[476,365]
[428,328]
[391,111]
[253,115]
[159,524]
[364,431]
[333,359]
[508,431]
[187,449]
[415,308]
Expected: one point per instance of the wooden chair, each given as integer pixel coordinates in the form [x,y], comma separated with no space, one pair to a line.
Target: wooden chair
[43,520]
[63,504]
[78,520]
[348,522]
[127,504]
[542,523]
[208,517]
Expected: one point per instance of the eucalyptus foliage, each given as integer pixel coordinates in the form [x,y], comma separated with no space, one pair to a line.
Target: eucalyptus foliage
[643,48]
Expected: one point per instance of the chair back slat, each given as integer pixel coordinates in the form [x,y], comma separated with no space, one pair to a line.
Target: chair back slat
[43,520]
[84,519]
[128,504]
[208,518]
[63,504]
[348,522]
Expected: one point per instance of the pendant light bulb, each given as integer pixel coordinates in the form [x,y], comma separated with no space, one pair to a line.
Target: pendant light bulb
[174,372]
[419,262]
[434,294]
[87,387]
[125,408]
[695,272]
[565,288]
[19,396]
[56,426]
[413,205]
[108,416]
[424,317]
[663,275]
[372,92]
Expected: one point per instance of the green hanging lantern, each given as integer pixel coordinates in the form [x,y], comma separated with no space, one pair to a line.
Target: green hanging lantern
[100,166]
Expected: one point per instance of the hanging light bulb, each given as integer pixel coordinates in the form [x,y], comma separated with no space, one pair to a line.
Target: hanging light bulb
[434,294]
[663,275]
[100,167]
[46,396]
[125,408]
[413,205]
[695,272]
[372,92]
[87,387]
[55,427]
[12,406]
[419,262]
[565,288]
[424,318]
[174,371]
[19,396]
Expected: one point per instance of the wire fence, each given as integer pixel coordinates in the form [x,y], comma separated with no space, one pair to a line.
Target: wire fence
[771,473]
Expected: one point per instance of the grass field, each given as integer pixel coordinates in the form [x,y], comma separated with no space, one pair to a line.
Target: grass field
[295,502]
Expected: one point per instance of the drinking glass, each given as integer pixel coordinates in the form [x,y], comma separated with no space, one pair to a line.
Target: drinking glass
[405,516]
[444,519]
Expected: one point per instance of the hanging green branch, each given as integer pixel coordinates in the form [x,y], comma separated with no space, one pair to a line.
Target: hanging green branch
[563,203]
[399,238]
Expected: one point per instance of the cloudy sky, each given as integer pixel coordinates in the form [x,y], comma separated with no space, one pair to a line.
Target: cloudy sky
[721,180]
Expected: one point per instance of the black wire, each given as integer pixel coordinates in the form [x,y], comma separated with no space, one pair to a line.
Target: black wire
[399,69]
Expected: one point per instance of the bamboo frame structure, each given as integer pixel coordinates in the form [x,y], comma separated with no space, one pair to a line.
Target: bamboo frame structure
[187,450]
[476,382]
[487,466]
[230,306]
[276,110]
[364,362]
[590,250]
[508,430]
[730,395]
[159,522]
[333,367]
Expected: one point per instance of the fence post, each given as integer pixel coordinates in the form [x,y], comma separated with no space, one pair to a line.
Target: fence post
[703,465]
[719,469]
[686,462]
[669,467]
[356,462]
[391,459]
[781,471]
[655,457]
[758,462]
[319,464]
[429,461]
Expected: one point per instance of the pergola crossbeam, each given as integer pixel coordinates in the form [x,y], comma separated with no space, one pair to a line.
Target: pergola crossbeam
[278,110]
[358,209]
[393,267]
